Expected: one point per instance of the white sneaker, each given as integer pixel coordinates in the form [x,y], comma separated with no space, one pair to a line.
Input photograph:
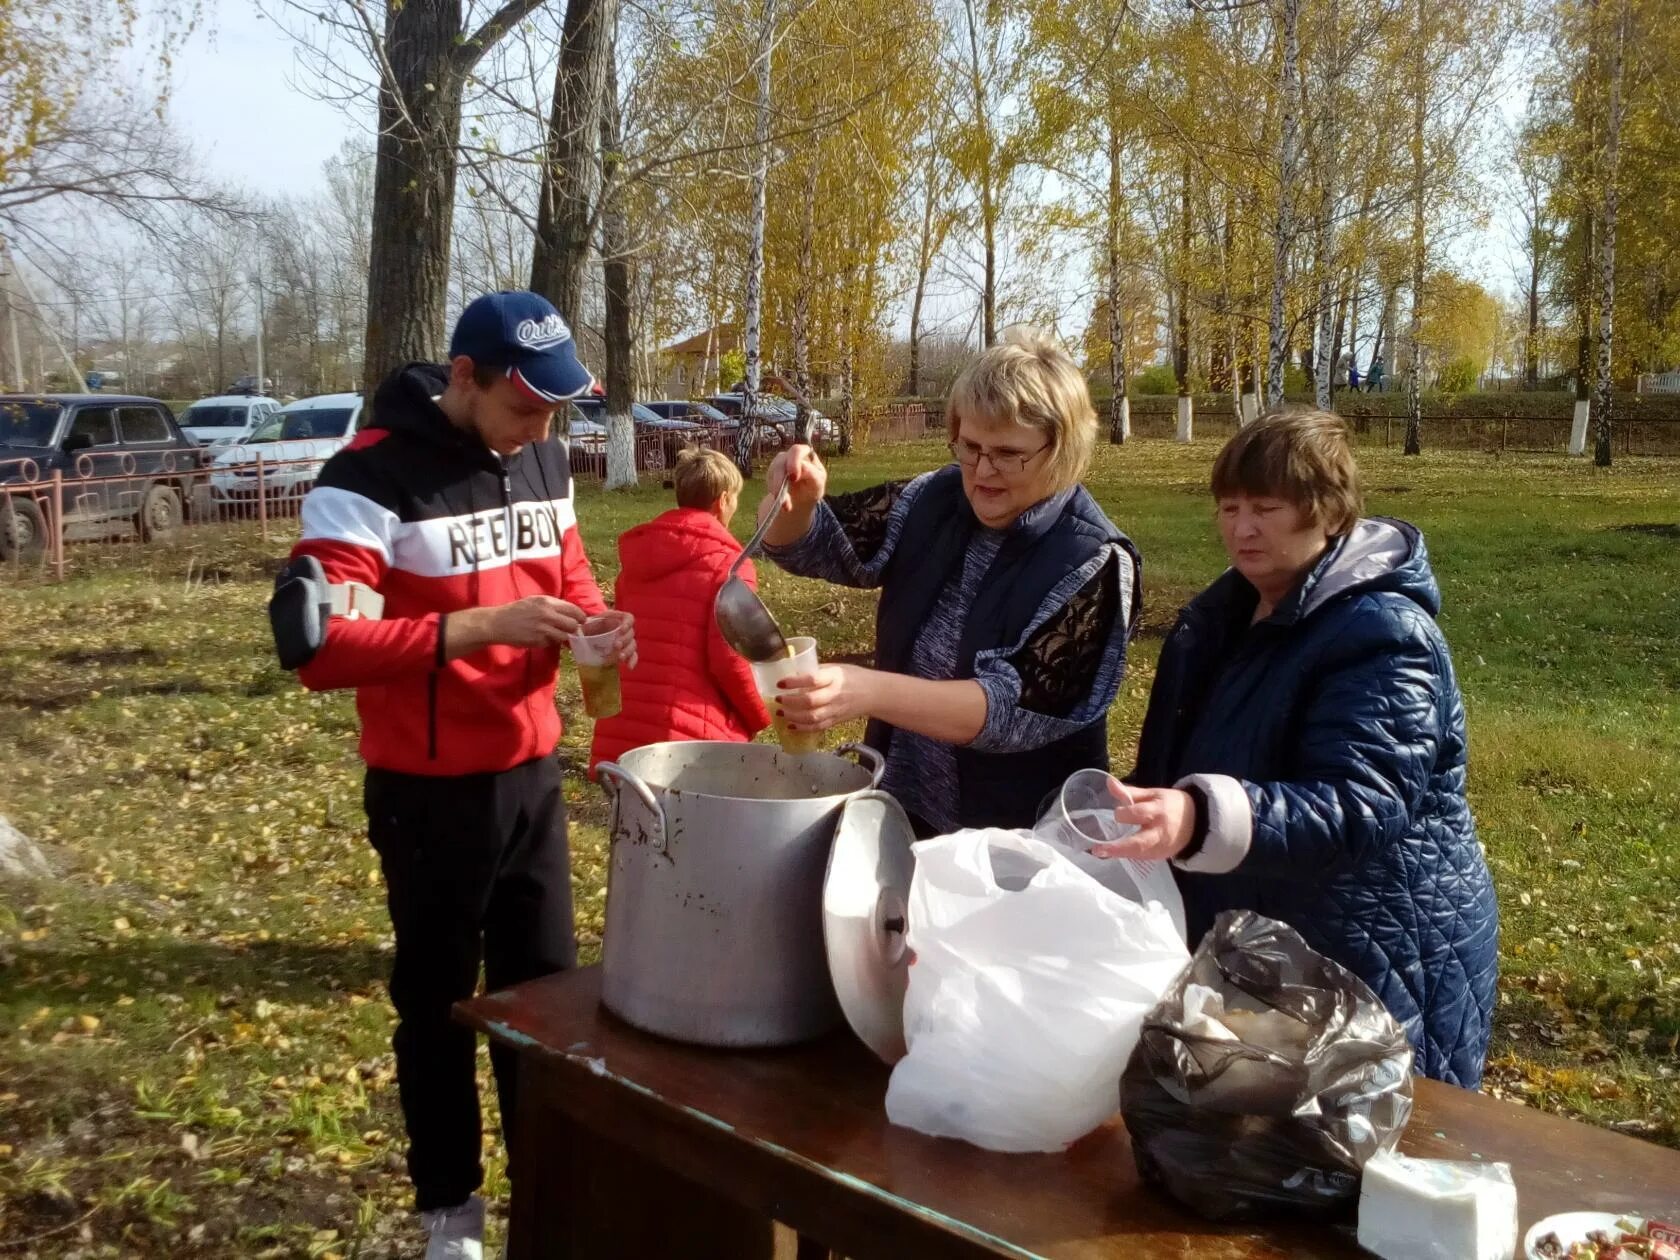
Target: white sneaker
[456,1233]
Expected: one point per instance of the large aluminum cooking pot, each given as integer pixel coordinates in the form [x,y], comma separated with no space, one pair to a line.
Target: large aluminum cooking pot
[714,893]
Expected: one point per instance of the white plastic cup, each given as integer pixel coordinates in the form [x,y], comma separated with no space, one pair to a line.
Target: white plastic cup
[803,660]
[592,649]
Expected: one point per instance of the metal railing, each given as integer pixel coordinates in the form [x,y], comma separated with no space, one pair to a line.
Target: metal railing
[897,422]
[1532,435]
[132,511]
[115,501]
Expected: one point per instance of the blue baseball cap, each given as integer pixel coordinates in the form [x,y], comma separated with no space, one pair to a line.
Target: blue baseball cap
[522,332]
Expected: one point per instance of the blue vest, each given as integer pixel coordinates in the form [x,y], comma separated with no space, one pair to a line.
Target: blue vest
[995,789]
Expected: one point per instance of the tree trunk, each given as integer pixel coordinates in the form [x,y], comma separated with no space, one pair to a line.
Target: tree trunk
[1324,365]
[1181,342]
[802,304]
[1289,91]
[1607,246]
[1245,336]
[988,200]
[1414,396]
[615,274]
[1120,404]
[748,435]
[1353,320]
[1222,354]
[848,384]
[712,355]
[1584,302]
[1237,416]
[1531,345]
[566,200]
[1181,350]
[924,264]
[413,187]
[1338,347]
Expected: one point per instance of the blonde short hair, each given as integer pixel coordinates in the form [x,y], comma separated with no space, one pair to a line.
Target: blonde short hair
[702,477]
[1028,378]
[1300,455]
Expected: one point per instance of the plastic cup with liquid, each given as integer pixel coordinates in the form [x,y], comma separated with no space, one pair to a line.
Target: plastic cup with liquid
[801,659]
[592,650]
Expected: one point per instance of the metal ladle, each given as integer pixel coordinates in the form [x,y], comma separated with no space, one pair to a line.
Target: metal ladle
[745,622]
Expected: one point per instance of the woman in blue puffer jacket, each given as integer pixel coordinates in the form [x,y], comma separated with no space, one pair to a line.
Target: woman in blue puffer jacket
[1303,755]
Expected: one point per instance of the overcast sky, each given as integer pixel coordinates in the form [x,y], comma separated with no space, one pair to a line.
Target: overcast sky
[239,97]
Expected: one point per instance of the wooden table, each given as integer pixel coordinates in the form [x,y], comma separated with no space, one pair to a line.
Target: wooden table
[630,1145]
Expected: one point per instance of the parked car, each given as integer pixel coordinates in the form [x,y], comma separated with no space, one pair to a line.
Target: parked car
[776,416]
[126,466]
[293,444]
[587,432]
[687,409]
[227,418]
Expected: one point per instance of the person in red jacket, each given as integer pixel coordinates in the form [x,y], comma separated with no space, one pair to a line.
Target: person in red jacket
[691,684]
[446,536]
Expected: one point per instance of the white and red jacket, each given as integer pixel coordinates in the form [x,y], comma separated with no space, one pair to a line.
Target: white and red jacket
[425,514]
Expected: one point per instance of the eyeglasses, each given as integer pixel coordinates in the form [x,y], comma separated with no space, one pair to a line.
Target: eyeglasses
[1007,463]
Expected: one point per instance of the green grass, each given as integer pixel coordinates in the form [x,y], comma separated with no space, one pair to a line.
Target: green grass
[215,912]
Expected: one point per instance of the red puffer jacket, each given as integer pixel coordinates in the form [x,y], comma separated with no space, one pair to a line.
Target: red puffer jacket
[689,683]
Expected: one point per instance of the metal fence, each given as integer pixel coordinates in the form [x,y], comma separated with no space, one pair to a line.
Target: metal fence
[656,451]
[898,422]
[111,500]
[134,513]
[1533,435]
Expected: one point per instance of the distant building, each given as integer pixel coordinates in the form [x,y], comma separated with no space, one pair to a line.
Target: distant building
[689,368]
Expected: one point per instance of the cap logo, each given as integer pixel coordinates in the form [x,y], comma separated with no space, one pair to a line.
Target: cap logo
[541,334]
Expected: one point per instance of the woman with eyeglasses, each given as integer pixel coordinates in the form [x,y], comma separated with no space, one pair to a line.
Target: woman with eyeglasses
[1007,597]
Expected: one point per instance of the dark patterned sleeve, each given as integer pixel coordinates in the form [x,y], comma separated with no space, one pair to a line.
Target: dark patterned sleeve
[852,536]
[1065,671]
[1061,659]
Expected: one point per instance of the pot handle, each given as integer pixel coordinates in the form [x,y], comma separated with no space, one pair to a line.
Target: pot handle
[869,759]
[620,778]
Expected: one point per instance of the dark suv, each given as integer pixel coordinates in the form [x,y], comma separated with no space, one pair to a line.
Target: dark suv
[126,465]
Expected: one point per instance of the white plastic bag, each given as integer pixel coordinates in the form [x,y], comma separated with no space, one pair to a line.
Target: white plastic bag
[1029,988]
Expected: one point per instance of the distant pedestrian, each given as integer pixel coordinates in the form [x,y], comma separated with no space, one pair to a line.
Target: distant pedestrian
[1374,377]
[1353,375]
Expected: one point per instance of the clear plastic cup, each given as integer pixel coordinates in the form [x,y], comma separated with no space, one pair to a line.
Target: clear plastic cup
[1086,809]
[592,649]
[801,659]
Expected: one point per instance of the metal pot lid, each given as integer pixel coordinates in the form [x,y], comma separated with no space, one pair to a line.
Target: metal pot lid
[865,898]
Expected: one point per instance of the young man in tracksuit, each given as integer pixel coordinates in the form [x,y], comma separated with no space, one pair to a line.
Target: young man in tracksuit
[455,507]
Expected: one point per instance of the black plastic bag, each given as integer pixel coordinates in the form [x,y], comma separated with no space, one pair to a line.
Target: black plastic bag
[1265,1078]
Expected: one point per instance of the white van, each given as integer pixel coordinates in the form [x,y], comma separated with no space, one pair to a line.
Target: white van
[292,444]
[226,418]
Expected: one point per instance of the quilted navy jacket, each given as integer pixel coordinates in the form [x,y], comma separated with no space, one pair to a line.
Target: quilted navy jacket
[1329,742]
